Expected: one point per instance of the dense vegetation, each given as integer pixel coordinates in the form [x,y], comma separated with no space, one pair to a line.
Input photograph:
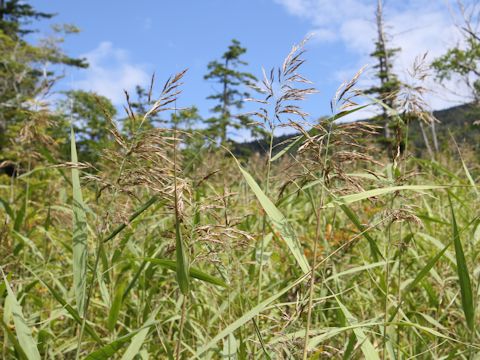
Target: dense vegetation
[150,237]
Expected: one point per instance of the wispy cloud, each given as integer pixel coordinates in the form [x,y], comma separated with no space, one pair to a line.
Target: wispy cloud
[110,72]
[416,26]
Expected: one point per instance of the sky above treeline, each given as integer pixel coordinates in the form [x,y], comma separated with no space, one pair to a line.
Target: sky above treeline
[125,42]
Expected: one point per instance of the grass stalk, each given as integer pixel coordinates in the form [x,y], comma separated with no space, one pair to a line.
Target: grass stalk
[183,315]
[264,218]
[317,210]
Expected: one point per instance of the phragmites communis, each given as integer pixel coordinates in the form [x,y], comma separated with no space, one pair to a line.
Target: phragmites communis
[145,158]
[331,148]
[281,90]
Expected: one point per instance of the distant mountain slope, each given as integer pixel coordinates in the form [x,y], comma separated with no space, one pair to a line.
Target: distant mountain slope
[457,120]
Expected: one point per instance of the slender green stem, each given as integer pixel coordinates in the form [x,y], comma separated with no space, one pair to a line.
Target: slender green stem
[177,224]
[180,331]
[312,285]
[264,225]
[387,284]
[317,238]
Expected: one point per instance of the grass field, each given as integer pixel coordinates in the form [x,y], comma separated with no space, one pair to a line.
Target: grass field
[328,248]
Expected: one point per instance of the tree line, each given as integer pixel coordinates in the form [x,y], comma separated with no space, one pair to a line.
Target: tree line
[28,72]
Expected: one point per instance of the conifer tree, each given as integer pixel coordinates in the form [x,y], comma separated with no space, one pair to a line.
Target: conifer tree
[226,73]
[389,84]
[14,14]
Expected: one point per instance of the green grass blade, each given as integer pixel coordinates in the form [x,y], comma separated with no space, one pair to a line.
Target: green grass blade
[350,347]
[367,347]
[80,233]
[182,260]
[355,270]
[23,331]
[259,337]
[70,309]
[20,216]
[433,165]
[348,199]
[356,221]
[425,270]
[107,351]
[132,217]
[193,272]
[12,338]
[249,315]
[463,275]
[279,222]
[115,307]
[111,349]
[138,340]
[469,177]
[73,313]
[30,243]
[7,208]
[329,333]
[134,280]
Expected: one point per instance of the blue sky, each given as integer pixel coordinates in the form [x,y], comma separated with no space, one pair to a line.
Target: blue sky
[127,41]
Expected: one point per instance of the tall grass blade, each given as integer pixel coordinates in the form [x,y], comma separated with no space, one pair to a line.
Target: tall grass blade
[329,333]
[80,233]
[111,349]
[249,315]
[138,340]
[14,341]
[425,270]
[356,221]
[30,243]
[465,168]
[349,199]
[193,272]
[260,339]
[132,217]
[116,305]
[20,216]
[463,275]
[469,177]
[180,252]
[23,331]
[182,260]
[367,347]
[230,347]
[71,310]
[7,208]
[279,222]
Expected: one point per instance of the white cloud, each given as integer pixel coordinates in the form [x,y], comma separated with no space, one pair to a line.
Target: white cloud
[110,72]
[416,26]
[323,35]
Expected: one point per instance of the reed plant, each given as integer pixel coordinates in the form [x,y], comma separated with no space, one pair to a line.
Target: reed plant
[326,247]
